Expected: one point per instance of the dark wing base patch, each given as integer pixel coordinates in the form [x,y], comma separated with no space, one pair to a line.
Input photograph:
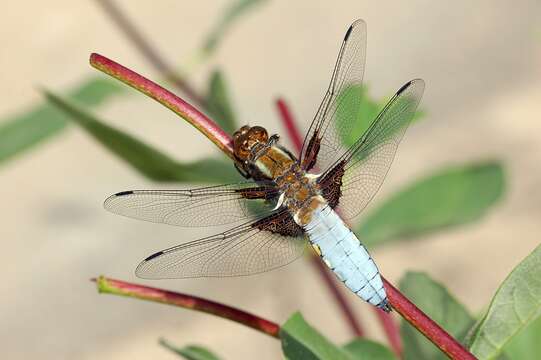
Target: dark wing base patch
[282,224]
[331,184]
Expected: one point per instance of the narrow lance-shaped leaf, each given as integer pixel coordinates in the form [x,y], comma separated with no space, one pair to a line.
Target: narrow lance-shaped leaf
[434,299]
[230,14]
[148,161]
[219,103]
[516,304]
[363,349]
[26,129]
[301,341]
[450,197]
[190,352]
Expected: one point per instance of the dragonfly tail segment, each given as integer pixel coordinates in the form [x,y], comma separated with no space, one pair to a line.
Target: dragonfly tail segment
[344,254]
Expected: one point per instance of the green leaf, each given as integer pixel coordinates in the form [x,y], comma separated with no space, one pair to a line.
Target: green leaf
[369,110]
[25,130]
[219,104]
[301,341]
[516,304]
[526,345]
[150,162]
[229,16]
[434,299]
[450,197]
[363,349]
[190,352]
[96,90]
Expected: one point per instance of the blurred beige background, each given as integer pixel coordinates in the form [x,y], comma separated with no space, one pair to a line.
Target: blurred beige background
[482,64]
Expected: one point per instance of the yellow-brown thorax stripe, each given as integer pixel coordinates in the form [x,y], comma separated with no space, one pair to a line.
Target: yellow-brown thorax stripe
[274,162]
[301,193]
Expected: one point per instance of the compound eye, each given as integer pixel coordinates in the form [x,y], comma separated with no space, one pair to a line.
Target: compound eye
[242,131]
[242,150]
[259,133]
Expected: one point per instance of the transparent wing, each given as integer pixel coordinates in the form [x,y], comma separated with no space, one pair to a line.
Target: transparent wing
[357,175]
[215,205]
[247,249]
[323,142]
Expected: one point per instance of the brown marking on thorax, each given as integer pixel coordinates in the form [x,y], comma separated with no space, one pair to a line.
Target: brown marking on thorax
[301,194]
[274,162]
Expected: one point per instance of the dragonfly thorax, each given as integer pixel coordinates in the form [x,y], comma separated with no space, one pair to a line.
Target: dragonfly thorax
[299,190]
[263,159]
[301,193]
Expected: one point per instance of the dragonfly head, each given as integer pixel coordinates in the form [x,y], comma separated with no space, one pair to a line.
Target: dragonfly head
[248,140]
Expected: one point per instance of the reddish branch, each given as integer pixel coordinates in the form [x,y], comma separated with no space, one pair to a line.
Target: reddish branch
[391,330]
[148,51]
[290,124]
[186,111]
[432,331]
[398,301]
[118,287]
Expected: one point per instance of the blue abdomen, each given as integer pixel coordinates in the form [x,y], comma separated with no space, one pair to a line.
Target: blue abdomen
[344,254]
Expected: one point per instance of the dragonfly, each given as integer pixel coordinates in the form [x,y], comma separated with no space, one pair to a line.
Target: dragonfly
[287,202]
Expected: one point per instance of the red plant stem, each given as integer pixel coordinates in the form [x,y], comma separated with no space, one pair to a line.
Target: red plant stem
[426,325]
[328,278]
[189,113]
[391,330]
[398,301]
[122,288]
[289,123]
[148,51]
